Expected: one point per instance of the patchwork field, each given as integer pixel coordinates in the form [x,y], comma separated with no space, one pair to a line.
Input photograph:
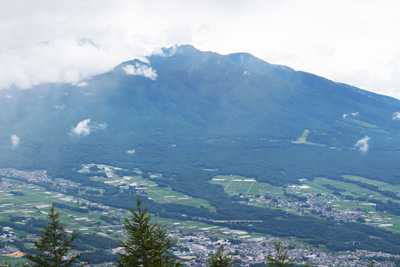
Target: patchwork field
[156,193]
[374,218]
[190,227]
[381,185]
[235,184]
[351,189]
[36,204]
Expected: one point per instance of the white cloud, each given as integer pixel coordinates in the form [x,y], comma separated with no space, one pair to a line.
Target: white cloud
[9,96]
[100,126]
[81,84]
[141,70]
[82,128]
[363,144]
[59,107]
[14,141]
[178,34]
[396,116]
[131,151]
[354,114]
[166,52]
[345,116]
[353,42]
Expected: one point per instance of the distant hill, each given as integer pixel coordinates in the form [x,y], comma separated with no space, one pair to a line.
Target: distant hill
[191,115]
[197,110]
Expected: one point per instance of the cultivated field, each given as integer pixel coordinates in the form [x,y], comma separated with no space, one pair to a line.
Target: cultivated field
[234,184]
[156,193]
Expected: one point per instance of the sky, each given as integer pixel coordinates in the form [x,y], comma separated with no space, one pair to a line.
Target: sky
[351,41]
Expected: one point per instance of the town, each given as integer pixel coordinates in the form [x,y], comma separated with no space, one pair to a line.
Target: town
[22,196]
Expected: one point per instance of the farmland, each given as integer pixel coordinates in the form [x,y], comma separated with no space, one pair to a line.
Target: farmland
[149,187]
[234,184]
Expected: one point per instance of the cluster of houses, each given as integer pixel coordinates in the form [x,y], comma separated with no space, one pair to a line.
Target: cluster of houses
[195,249]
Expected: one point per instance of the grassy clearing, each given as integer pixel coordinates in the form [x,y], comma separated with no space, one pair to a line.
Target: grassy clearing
[13,261]
[303,138]
[235,184]
[163,194]
[166,195]
[351,189]
[381,185]
[190,227]
[360,123]
[156,193]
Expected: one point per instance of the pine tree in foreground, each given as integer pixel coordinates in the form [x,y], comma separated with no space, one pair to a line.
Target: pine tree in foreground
[53,245]
[281,259]
[219,259]
[147,244]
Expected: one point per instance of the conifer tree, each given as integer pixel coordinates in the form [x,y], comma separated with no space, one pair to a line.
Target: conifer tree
[147,244]
[219,259]
[53,245]
[281,259]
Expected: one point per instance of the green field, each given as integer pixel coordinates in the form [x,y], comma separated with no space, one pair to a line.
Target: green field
[337,202]
[156,193]
[360,123]
[235,184]
[36,203]
[303,138]
[190,227]
[381,185]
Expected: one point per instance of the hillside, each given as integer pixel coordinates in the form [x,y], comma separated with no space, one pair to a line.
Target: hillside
[225,107]
[193,115]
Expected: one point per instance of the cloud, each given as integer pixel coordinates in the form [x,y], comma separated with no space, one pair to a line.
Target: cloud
[9,96]
[396,116]
[345,116]
[59,107]
[14,141]
[355,113]
[81,84]
[131,151]
[141,70]
[100,126]
[166,52]
[62,50]
[70,41]
[363,144]
[83,128]
[178,34]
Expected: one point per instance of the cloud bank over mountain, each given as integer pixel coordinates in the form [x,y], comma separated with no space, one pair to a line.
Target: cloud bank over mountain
[70,41]
[140,70]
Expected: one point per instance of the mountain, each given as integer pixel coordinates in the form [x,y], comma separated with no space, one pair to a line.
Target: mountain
[192,115]
[216,109]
